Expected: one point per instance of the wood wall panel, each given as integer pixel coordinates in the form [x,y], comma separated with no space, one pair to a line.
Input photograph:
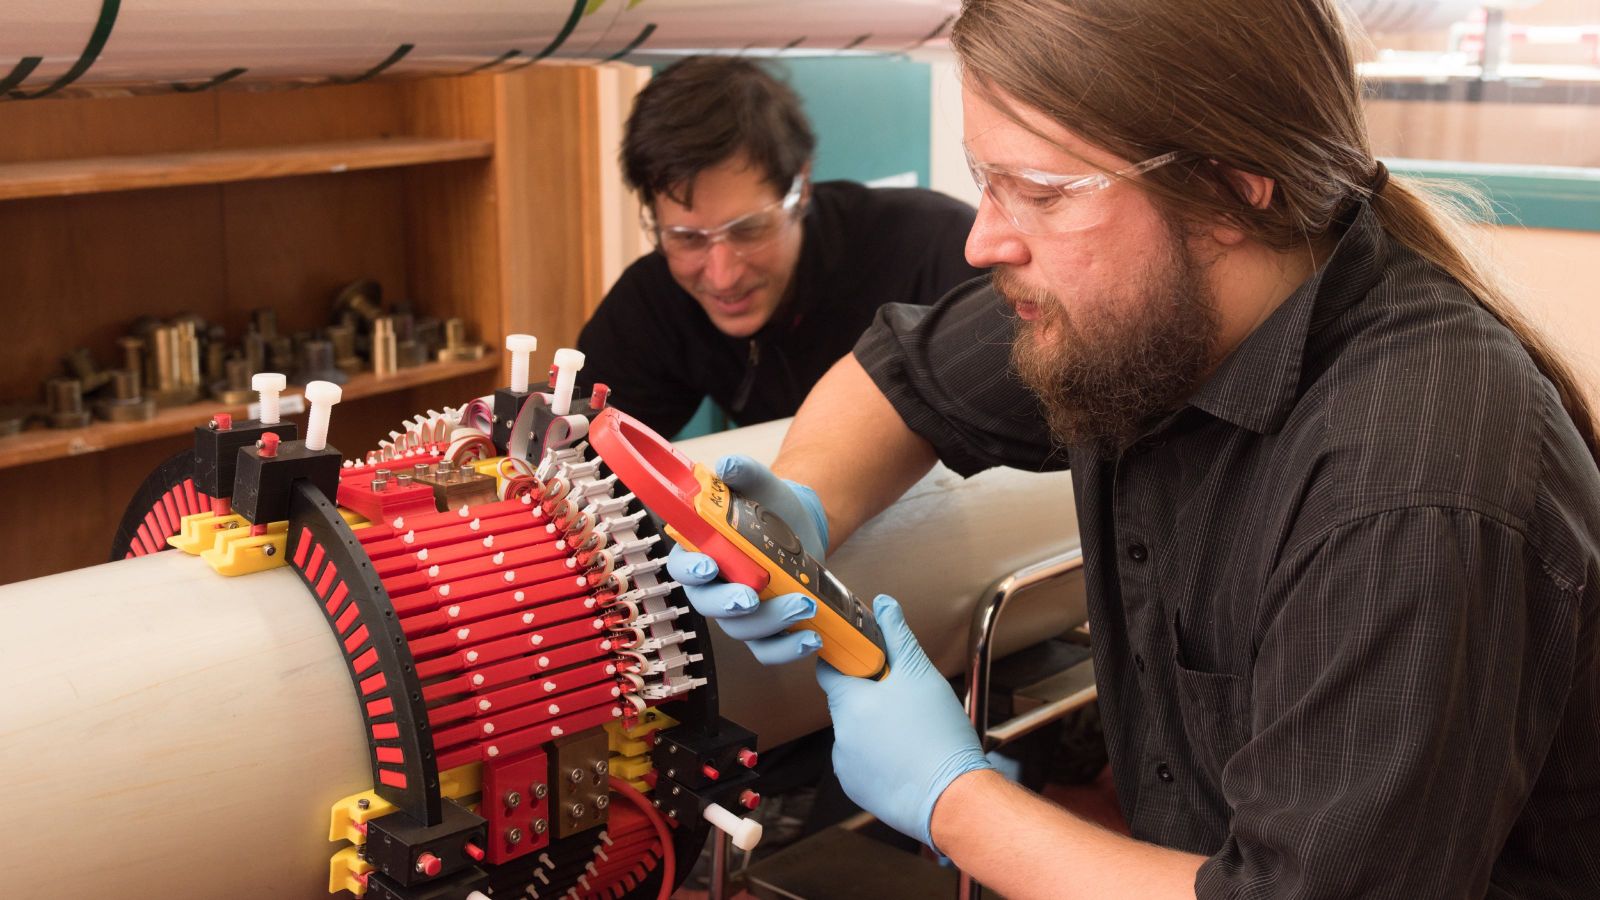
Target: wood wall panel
[547,169]
[78,271]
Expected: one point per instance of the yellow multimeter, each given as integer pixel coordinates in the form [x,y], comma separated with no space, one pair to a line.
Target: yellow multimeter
[751,545]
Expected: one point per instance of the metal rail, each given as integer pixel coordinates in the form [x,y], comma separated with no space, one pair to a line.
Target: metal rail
[985,626]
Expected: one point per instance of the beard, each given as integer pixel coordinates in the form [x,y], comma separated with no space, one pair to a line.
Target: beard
[1104,375]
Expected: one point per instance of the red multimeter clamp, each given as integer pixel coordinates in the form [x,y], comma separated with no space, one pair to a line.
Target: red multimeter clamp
[751,545]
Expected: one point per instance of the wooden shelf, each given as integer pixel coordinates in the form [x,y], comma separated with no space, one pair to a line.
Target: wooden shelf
[39,445]
[102,174]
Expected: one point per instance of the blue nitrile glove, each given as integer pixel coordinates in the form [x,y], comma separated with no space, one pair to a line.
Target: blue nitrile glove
[792,501]
[735,606]
[899,742]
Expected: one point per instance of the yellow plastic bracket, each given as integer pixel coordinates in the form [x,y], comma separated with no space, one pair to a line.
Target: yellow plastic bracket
[348,814]
[237,552]
[344,872]
[197,532]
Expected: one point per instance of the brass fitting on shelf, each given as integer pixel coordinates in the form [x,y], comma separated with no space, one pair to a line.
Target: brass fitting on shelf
[65,398]
[456,348]
[125,404]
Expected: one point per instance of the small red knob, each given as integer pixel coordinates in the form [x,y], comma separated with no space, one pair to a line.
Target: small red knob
[747,758]
[474,851]
[269,445]
[224,421]
[749,799]
[552,376]
[710,771]
[597,399]
[428,864]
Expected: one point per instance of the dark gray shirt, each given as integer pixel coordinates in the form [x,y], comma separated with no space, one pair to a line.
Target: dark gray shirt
[1343,602]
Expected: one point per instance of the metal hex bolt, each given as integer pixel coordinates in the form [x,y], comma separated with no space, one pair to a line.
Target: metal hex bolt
[513,799]
[601,767]
[363,803]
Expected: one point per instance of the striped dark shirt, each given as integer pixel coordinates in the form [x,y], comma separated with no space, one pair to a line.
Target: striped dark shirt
[1343,601]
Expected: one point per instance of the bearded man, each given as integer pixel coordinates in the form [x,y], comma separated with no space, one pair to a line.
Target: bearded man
[1340,509]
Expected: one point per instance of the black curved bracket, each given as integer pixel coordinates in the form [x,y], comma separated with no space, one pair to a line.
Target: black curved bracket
[331,562]
[166,495]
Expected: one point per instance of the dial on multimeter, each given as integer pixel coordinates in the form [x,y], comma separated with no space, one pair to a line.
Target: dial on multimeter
[751,545]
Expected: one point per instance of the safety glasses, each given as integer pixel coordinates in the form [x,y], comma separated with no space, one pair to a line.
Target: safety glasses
[1047,203]
[745,234]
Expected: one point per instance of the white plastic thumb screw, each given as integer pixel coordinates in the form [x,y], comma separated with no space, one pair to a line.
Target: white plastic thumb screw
[269,385]
[322,395]
[568,364]
[521,347]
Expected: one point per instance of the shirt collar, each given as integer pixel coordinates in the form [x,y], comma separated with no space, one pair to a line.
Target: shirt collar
[1259,384]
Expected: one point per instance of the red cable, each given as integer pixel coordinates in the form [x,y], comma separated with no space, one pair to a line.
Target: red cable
[668,858]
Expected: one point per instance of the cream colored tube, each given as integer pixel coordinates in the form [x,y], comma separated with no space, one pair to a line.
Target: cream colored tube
[166,732]
[157,42]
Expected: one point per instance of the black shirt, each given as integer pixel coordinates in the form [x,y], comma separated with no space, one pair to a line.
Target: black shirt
[863,247]
[1343,602]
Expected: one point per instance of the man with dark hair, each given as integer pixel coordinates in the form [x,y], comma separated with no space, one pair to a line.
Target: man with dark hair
[1340,509]
[761,280]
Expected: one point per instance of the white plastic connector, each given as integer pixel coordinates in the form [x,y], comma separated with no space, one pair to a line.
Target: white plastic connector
[322,396]
[746,833]
[269,385]
[568,363]
[521,347]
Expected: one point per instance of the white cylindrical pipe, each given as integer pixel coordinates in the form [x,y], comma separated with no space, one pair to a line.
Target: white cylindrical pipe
[194,42]
[569,363]
[155,701]
[269,385]
[521,347]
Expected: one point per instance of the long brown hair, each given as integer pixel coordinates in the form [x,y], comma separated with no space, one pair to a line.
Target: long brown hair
[1260,86]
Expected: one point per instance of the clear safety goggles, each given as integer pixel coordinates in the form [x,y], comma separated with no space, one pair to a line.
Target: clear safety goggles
[748,233]
[1047,203]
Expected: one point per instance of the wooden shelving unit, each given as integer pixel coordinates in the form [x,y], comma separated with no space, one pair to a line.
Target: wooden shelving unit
[105,174]
[476,197]
[43,444]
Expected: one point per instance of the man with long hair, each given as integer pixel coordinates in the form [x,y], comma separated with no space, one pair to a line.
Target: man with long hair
[1339,507]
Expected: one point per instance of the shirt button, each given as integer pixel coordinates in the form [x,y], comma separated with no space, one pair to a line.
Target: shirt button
[1138,552]
[1138,663]
[1163,772]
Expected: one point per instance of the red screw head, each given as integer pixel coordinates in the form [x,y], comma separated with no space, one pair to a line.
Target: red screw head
[749,799]
[747,758]
[222,421]
[428,864]
[474,851]
[268,444]
[710,771]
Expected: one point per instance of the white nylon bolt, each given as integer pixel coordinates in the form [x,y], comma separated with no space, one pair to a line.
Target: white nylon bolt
[322,395]
[521,347]
[269,385]
[746,833]
[568,363]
